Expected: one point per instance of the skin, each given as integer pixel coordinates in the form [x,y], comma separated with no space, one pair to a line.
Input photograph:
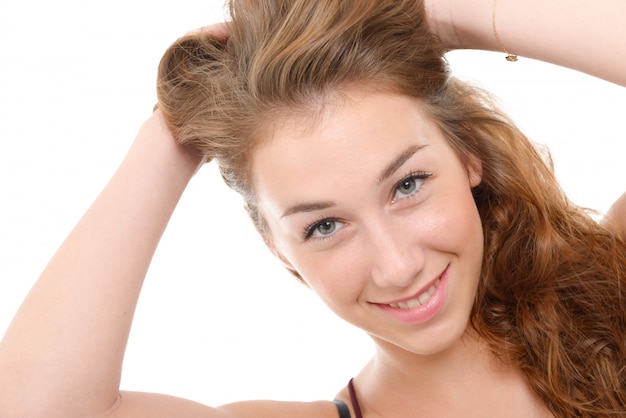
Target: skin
[392,238]
[616,216]
[586,36]
[377,241]
[62,354]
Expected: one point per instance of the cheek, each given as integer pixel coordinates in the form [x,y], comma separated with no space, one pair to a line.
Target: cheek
[334,275]
[337,277]
[456,225]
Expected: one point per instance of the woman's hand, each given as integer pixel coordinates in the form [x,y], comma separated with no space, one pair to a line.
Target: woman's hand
[196,59]
[188,152]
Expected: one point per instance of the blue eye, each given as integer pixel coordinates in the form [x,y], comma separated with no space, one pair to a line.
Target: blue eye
[322,229]
[409,186]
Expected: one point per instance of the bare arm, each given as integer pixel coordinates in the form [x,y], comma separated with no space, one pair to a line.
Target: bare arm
[62,354]
[580,34]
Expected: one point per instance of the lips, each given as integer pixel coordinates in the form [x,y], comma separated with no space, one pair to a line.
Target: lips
[422,306]
[418,300]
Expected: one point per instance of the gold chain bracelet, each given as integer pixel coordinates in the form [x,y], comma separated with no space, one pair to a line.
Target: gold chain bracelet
[509,56]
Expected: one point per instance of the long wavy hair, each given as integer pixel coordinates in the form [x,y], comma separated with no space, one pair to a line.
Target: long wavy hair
[551,297]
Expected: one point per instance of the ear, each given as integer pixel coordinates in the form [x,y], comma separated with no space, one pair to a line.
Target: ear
[474,171]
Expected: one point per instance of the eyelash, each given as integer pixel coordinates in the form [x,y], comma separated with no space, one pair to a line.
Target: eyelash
[412,176]
[309,229]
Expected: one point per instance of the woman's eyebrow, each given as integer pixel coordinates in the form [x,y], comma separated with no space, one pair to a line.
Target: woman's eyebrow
[394,165]
[307,207]
[387,172]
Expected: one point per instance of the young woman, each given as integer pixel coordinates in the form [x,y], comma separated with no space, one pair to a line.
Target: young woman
[401,196]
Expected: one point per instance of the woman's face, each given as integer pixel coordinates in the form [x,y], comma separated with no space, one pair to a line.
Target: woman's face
[371,206]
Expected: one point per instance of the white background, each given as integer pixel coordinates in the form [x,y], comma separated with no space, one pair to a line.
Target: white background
[219,320]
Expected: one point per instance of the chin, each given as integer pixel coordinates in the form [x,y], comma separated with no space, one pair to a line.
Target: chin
[437,340]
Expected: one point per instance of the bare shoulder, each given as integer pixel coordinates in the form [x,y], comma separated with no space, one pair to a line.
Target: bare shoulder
[277,409]
[616,217]
[152,405]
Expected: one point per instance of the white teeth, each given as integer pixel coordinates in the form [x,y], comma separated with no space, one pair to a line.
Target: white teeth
[424,297]
[418,301]
[415,302]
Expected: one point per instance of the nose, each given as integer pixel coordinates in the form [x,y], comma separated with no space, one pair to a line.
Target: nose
[396,255]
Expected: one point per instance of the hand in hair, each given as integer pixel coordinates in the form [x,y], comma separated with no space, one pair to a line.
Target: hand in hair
[217,32]
[188,86]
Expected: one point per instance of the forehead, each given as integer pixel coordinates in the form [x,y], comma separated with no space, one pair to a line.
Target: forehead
[353,136]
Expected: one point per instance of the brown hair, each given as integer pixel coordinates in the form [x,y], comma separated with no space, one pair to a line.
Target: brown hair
[550,300]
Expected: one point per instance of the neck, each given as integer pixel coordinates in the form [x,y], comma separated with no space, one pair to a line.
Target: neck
[467,359]
[465,377]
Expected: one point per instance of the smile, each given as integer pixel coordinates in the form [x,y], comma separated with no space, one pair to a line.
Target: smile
[419,300]
[421,307]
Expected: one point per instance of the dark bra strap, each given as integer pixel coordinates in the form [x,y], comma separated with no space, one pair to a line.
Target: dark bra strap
[342,408]
[354,400]
[344,412]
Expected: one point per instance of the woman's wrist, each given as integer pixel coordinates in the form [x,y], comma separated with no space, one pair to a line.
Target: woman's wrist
[577,34]
[158,144]
[461,24]
[438,15]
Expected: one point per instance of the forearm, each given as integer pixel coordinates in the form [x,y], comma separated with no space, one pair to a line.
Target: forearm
[580,34]
[65,347]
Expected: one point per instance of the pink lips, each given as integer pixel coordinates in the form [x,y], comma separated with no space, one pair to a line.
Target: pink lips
[424,312]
